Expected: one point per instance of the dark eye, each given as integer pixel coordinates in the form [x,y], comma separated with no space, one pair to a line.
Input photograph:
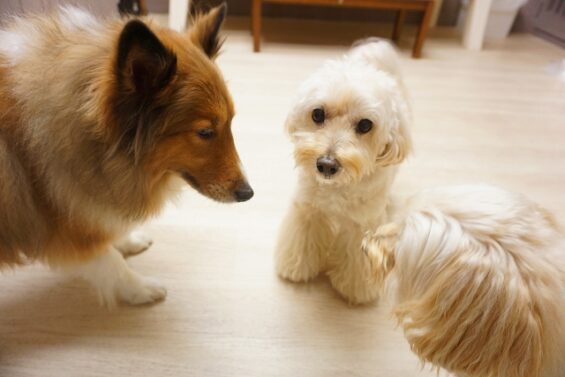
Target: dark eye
[318,116]
[206,133]
[364,126]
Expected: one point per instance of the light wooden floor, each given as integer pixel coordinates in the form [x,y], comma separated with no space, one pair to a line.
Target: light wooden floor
[494,116]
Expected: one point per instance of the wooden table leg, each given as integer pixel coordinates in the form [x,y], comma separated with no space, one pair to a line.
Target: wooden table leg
[143,7]
[423,30]
[256,24]
[400,15]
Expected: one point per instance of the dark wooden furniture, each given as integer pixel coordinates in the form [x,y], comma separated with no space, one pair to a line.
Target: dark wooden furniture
[133,7]
[401,6]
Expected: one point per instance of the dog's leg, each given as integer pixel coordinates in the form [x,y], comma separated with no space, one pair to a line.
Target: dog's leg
[115,281]
[134,243]
[351,274]
[303,243]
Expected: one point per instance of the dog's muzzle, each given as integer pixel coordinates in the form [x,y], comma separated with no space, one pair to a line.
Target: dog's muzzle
[328,166]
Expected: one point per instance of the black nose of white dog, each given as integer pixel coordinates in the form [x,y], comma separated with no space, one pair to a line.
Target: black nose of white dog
[328,165]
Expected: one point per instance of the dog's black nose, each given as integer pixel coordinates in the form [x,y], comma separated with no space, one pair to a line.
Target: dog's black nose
[328,165]
[243,192]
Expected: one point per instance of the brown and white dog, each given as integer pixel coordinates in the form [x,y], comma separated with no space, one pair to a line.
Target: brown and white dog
[98,121]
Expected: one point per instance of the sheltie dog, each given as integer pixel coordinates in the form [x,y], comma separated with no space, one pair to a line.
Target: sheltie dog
[98,121]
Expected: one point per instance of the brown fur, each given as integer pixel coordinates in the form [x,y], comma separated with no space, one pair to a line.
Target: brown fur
[92,134]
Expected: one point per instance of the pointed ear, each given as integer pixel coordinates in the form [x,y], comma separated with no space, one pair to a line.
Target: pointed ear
[205,29]
[144,64]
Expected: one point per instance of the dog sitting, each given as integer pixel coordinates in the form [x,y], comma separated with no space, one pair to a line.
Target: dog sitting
[478,279]
[350,129]
[99,122]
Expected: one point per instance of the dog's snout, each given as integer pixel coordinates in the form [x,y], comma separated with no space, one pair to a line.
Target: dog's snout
[328,165]
[243,192]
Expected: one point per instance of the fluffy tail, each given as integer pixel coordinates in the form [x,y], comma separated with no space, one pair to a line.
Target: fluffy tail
[473,303]
[379,53]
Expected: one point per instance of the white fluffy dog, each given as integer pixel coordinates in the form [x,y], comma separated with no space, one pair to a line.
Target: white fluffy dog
[478,276]
[350,129]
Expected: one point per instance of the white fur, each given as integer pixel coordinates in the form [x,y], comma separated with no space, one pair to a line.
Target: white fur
[478,278]
[134,243]
[77,18]
[380,54]
[115,281]
[13,45]
[328,217]
[24,36]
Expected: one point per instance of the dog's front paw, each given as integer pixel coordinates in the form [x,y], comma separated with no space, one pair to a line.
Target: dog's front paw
[297,272]
[134,243]
[139,291]
[300,254]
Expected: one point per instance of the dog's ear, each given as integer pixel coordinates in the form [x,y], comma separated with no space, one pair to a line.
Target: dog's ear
[396,150]
[144,64]
[205,30]
[399,142]
[144,68]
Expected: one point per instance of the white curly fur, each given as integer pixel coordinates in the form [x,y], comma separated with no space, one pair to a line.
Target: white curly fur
[324,227]
[478,279]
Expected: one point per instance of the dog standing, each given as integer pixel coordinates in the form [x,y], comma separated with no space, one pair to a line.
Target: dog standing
[478,279]
[98,121]
[350,129]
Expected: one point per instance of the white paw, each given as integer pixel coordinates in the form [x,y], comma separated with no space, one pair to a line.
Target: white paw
[134,243]
[141,291]
[298,272]
[355,285]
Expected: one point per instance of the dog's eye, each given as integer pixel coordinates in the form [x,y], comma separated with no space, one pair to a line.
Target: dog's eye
[318,116]
[364,126]
[206,133]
